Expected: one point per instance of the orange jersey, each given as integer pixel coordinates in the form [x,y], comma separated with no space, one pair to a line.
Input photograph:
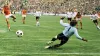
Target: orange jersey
[6,10]
[99,14]
[24,12]
[78,16]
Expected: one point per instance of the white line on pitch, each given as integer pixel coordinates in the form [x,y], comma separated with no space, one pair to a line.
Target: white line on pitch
[34,26]
[36,39]
[53,53]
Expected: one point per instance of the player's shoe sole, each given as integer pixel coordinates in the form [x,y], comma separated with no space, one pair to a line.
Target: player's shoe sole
[47,47]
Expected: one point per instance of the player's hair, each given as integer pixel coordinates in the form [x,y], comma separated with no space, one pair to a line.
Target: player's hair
[73,23]
[78,14]
[5,6]
[93,12]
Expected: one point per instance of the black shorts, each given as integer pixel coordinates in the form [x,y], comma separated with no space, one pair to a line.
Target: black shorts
[37,17]
[62,37]
[69,19]
[95,21]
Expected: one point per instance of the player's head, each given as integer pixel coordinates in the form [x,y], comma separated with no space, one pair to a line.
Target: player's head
[93,12]
[75,10]
[78,13]
[73,23]
[5,6]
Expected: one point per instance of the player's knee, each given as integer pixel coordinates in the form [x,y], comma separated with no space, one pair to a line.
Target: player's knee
[13,17]
[62,42]
[53,39]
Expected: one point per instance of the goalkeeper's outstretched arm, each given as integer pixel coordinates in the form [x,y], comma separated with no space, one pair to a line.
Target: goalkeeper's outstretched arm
[10,3]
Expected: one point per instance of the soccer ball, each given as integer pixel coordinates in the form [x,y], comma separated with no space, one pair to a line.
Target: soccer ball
[19,33]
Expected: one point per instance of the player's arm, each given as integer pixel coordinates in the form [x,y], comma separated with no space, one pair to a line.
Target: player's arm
[75,17]
[10,3]
[81,16]
[22,11]
[62,23]
[26,12]
[79,37]
[91,17]
[2,10]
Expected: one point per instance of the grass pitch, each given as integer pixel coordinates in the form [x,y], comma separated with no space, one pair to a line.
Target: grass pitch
[35,38]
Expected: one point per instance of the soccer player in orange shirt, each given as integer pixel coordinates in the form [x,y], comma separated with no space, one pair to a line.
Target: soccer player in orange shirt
[7,13]
[24,12]
[98,15]
[79,18]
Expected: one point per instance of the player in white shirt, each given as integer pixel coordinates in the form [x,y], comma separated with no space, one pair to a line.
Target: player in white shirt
[94,18]
[69,15]
[37,14]
[74,13]
[66,34]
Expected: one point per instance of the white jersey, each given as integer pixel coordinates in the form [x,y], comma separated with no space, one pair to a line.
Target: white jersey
[74,14]
[69,30]
[93,17]
[38,13]
[69,14]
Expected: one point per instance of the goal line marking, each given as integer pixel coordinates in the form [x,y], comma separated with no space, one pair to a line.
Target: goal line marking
[53,53]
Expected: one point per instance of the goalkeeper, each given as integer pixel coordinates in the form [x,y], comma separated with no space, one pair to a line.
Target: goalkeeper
[66,34]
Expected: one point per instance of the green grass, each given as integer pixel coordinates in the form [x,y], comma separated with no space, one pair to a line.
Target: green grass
[35,38]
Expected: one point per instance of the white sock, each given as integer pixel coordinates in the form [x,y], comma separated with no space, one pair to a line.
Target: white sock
[55,36]
[37,24]
[98,27]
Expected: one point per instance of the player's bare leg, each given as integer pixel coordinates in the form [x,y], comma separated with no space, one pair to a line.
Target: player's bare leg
[81,24]
[50,42]
[63,41]
[37,22]
[53,39]
[8,24]
[13,18]
[77,26]
[23,20]
[97,25]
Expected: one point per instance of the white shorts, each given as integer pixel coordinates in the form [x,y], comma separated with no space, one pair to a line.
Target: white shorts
[8,16]
[23,15]
[77,19]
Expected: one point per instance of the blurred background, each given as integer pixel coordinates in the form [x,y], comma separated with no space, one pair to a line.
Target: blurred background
[55,6]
